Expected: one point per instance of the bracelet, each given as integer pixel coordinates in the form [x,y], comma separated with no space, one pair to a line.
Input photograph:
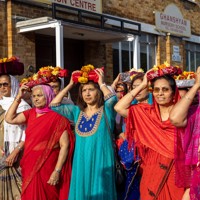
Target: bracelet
[19,148]
[103,84]
[188,98]
[58,171]
[18,100]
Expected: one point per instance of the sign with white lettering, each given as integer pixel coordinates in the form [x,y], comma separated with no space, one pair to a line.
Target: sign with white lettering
[176,54]
[172,21]
[89,5]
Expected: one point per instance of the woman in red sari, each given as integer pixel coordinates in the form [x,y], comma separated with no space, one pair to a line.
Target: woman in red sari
[149,127]
[46,162]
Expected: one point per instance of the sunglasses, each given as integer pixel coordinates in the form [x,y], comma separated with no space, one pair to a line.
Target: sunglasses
[4,84]
[164,90]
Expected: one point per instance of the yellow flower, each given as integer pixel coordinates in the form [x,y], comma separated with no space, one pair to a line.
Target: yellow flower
[35,77]
[82,79]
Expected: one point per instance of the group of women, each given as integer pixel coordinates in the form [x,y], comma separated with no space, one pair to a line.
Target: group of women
[164,159]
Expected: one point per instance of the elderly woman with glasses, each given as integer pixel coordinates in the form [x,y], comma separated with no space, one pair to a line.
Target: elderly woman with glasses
[149,127]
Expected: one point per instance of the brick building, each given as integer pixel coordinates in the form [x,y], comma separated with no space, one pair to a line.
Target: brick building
[117,34]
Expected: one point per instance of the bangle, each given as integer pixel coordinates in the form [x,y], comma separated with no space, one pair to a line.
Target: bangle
[58,171]
[19,148]
[18,100]
[103,84]
[188,98]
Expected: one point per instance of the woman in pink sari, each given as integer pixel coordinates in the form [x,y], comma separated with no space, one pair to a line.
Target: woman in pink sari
[186,117]
[46,163]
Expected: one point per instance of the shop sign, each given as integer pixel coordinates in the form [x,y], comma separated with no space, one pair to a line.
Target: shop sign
[172,21]
[88,5]
[176,54]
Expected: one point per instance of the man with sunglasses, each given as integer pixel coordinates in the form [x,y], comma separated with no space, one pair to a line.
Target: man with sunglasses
[11,141]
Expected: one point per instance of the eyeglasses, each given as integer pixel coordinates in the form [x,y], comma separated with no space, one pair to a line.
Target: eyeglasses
[4,84]
[164,90]
[119,91]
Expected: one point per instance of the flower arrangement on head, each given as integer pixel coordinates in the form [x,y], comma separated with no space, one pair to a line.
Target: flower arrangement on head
[44,75]
[163,69]
[185,79]
[86,74]
[128,76]
[11,66]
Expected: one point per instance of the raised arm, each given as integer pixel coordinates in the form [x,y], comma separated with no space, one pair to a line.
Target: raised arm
[178,115]
[124,103]
[63,92]
[64,144]
[12,117]
[101,82]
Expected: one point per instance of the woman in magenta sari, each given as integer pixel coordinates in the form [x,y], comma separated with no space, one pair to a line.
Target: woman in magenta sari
[186,116]
[46,163]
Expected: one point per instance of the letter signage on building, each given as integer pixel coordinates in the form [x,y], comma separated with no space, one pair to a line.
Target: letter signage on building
[89,5]
[172,21]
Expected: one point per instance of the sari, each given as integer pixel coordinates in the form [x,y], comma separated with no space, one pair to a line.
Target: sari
[187,155]
[154,141]
[40,156]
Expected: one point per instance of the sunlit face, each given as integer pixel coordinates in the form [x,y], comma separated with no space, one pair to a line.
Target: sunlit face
[55,86]
[38,98]
[89,93]
[5,86]
[143,94]
[162,92]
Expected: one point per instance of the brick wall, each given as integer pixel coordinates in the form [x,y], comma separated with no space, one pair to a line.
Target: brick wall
[3,32]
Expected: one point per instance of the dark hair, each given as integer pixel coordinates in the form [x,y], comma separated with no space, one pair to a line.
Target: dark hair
[168,78]
[124,85]
[138,76]
[99,97]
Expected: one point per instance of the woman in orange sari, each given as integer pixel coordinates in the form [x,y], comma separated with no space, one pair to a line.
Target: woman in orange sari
[46,163]
[149,127]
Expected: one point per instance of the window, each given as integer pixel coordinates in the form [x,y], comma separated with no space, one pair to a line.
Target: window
[139,53]
[192,56]
[147,51]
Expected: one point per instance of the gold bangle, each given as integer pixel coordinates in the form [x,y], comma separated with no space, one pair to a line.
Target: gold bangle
[17,100]
[58,171]
[188,98]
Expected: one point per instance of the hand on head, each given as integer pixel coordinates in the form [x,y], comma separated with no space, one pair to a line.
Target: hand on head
[22,90]
[100,74]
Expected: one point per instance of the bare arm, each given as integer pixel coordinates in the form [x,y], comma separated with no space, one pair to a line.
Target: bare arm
[12,117]
[178,114]
[64,144]
[124,103]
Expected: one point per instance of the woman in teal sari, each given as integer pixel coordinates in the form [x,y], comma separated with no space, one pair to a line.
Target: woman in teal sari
[93,172]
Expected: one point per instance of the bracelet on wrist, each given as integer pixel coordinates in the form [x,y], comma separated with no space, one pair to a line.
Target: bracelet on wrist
[103,84]
[19,148]
[18,100]
[57,170]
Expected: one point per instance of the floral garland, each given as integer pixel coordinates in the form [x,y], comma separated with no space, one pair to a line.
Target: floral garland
[163,69]
[44,75]
[185,75]
[13,58]
[86,73]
